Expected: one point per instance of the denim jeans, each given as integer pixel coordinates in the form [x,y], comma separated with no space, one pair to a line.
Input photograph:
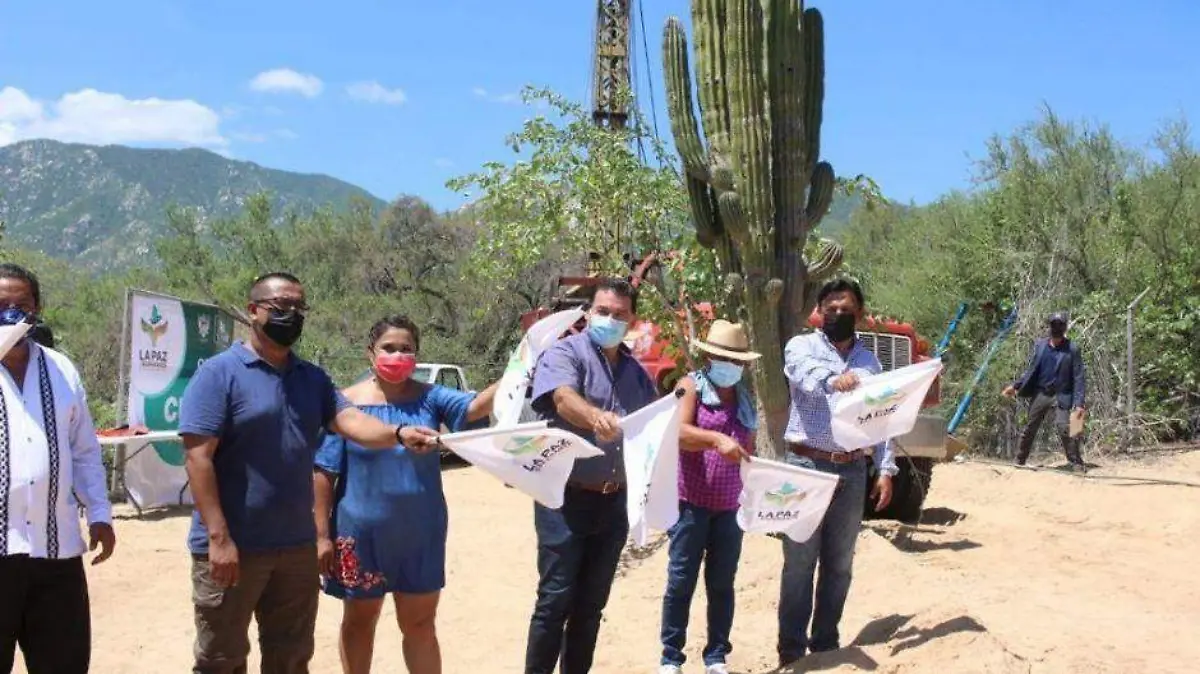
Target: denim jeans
[833,546]
[579,547]
[714,538]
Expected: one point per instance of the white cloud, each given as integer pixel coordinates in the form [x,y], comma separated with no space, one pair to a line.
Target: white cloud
[374,92]
[442,162]
[96,117]
[286,80]
[286,134]
[507,99]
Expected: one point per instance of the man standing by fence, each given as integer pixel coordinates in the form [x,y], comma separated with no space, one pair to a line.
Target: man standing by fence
[1053,381]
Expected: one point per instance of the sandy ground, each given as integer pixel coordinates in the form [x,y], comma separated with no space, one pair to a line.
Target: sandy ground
[1011,571]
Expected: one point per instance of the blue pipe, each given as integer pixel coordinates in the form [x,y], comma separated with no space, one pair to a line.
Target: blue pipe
[953,327]
[963,406]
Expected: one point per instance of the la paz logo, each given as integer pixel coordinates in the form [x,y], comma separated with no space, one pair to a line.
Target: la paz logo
[881,403]
[785,495]
[534,451]
[782,501]
[155,327]
[519,445]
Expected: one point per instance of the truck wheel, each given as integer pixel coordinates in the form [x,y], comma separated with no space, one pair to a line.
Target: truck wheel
[909,489]
[917,474]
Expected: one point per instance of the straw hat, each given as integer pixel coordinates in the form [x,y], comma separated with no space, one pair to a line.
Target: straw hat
[727,340]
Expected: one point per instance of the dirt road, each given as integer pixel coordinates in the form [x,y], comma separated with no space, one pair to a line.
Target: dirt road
[1012,571]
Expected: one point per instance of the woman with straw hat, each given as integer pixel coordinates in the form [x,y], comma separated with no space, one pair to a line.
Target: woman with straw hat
[719,421]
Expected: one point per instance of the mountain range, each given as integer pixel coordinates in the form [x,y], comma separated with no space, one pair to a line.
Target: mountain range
[103,207]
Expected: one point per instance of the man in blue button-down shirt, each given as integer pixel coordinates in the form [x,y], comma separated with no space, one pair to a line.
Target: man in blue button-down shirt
[818,365]
[585,383]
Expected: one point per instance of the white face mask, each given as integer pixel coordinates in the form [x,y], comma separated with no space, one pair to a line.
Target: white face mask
[724,374]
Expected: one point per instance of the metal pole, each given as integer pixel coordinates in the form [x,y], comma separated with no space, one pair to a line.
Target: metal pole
[117,481]
[1130,406]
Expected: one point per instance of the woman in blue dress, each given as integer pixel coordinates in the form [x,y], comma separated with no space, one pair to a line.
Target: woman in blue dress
[381,516]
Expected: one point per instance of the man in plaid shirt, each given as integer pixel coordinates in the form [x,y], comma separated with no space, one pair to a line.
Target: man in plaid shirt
[818,365]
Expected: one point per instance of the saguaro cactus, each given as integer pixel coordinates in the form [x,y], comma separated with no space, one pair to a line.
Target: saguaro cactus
[755,182]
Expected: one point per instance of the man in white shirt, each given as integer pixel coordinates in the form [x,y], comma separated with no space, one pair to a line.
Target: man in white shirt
[49,457]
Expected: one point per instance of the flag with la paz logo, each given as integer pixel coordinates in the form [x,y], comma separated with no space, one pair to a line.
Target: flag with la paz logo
[514,384]
[883,406]
[11,334]
[780,498]
[533,458]
[651,455]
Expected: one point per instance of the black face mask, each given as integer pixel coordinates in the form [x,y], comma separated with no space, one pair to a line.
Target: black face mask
[283,327]
[839,327]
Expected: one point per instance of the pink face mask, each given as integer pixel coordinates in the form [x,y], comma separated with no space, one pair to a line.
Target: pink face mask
[395,368]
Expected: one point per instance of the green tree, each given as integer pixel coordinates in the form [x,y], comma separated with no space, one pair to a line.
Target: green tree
[1063,217]
[576,188]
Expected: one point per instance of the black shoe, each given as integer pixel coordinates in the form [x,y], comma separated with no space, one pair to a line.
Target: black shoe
[1080,468]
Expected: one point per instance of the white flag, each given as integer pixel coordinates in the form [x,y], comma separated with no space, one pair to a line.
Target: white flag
[652,467]
[780,498]
[883,406]
[10,335]
[510,395]
[533,458]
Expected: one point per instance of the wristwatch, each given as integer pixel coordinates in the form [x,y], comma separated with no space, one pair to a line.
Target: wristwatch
[400,440]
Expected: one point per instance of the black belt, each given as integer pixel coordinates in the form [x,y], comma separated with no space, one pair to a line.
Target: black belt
[607,487]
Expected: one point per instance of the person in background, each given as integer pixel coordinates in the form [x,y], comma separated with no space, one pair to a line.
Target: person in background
[48,453]
[719,423]
[252,419]
[818,365]
[1053,381]
[381,517]
[585,383]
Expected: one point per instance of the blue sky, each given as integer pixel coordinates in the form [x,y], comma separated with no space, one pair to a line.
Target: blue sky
[399,96]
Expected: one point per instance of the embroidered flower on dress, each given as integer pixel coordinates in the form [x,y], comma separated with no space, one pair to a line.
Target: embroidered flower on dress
[349,572]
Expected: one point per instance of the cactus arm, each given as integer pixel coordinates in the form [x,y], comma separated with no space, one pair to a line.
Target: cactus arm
[820,194]
[708,18]
[829,259]
[708,228]
[733,217]
[813,35]
[750,133]
[785,63]
[680,105]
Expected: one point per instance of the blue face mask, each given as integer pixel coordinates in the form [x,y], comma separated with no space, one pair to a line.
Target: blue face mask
[606,331]
[723,374]
[12,316]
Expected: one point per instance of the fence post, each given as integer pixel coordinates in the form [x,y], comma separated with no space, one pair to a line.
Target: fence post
[1130,405]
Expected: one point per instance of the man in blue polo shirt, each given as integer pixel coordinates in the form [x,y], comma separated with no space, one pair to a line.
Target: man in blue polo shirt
[251,420]
[585,383]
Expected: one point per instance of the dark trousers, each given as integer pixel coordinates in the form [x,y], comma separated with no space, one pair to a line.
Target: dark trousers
[280,589]
[714,538]
[1039,408]
[44,609]
[579,547]
[832,547]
